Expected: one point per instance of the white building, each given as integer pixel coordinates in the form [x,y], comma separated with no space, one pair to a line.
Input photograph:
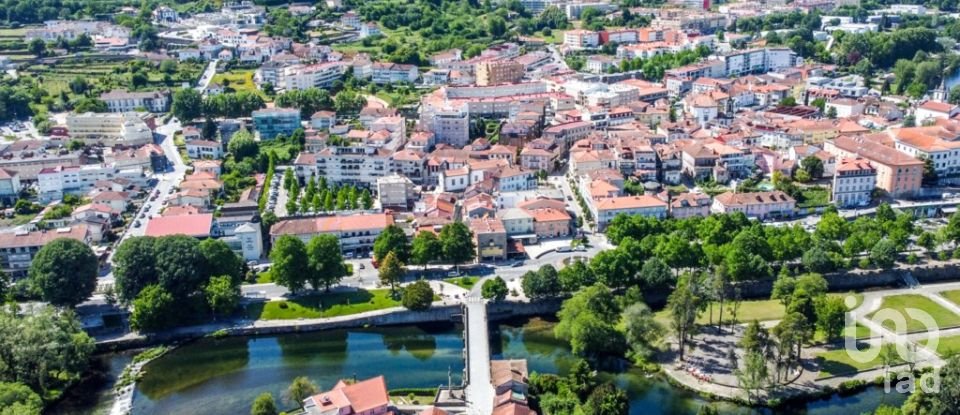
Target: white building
[933,109]
[395,191]
[346,165]
[581,39]
[320,75]
[606,209]
[251,241]
[743,62]
[120,100]
[54,182]
[853,182]
[388,73]
[109,129]
[204,149]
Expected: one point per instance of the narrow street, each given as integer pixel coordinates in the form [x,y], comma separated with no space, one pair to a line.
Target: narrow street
[480,392]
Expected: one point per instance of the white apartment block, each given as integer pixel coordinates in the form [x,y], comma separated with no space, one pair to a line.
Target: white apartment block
[321,75]
[346,165]
[853,183]
[388,73]
[53,183]
[581,39]
[763,60]
[124,101]
[450,126]
[110,129]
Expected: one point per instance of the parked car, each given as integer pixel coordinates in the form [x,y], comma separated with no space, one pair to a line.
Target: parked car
[136,224]
[517,264]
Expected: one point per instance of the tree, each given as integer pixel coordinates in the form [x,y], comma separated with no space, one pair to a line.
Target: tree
[544,283]
[366,200]
[392,239]
[64,272]
[19,399]
[754,374]
[655,273]
[242,146]
[37,47]
[788,101]
[587,321]
[289,268]
[831,311]
[576,275]
[456,241]
[930,176]
[683,305]
[45,349]
[496,26]
[264,405]
[884,253]
[813,166]
[641,330]
[426,247]
[301,388]
[606,399]
[187,104]
[832,112]
[134,267]
[391,271]
[494,289]
[181,267]
[223,294]
[153,309]
[417,296]
[817,260]
[221,260]
[325,261]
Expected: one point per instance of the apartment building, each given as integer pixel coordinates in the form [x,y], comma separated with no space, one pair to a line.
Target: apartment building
[938,143]
[320,75]
[449,125]
[568,133]
[120,100]
[898,174]
[396,191]
[756,61]
[204,149]
[358,165]
[500,71]
[759,205]
[853,183]
[270,122]
[17,249]
[110,129]
[490,237]
[604,210]
[581,39]
[9,186]
[388,73]
[355,232]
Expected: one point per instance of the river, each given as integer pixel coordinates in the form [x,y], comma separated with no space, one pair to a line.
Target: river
[222,376]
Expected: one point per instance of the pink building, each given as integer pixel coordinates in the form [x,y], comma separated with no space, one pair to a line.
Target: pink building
[550,223]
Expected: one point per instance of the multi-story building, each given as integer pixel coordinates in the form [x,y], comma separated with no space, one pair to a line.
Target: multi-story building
[550,223]
[356,232]
[499,71]
[604,210]
[581,39]
[120,100]
[320,75]
[449,126]
[853,182]
[54,182]
[358,165]
[490,237]
[395,191]
[204,149]
[938,143]
[270,122]
[110,129]
[752,61]
[17,249]
[388,73]
[760,205]
[9,186]
[898,174]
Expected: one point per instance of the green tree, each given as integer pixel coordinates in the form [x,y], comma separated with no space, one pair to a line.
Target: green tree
[543,283]
[457,245]
[19,399]
[45,349]
[181,267]
[187,104]
[930,176]
[64,272]
[426,247]
[153,309]
[390,271]
[264,405]
[607,399]
[683,306]
[494,289]
[754,374]
[134,267]
[289,267]
[641,329]
[817,260]
[576,275]
[884,253]
[301,388]
[417,296]
[587,321]
[830,316]
[221,260]
[223,295]
[366,200]
[325,261]
[813,166]
[37,47]
[392,239]
[242,146]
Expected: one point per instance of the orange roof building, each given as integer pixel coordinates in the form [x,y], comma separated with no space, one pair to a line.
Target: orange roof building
[367,397]
[356,232]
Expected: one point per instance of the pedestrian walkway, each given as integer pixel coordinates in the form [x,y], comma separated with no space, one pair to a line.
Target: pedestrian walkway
[480,392]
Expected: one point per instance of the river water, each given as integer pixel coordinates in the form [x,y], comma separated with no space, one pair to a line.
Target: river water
[223,376]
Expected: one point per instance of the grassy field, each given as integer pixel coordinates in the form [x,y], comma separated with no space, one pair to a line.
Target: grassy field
[463,282]
[238,80]
[760,310]
[814,197]
[839,362]
[325,305]
[952,295]
[946,346]
[412,397]
[899,303]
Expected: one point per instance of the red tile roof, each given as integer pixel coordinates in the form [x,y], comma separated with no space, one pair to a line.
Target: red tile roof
[360,397]
[197,226]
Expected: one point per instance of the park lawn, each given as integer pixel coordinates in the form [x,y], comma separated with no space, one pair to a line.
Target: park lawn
[238,80]
[839,362]
[858,331]
[466,283]
[814,197]
[952,295]
[325,305]
[946,346]
[264,277]
[942,317]
[760,310]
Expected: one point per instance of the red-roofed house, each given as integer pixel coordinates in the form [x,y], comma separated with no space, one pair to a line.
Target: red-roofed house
[550,223]
[933,109]
[197,226]
[604,210]
[356,232]
[367,397]
[853,182]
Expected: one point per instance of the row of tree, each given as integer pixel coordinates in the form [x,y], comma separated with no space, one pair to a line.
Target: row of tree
[320,196]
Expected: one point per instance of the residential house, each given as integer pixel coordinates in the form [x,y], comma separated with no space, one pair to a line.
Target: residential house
[760,205]
[366,397]
[853,183]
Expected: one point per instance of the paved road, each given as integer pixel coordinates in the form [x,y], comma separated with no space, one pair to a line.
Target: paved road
[207,75]
[480,392]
